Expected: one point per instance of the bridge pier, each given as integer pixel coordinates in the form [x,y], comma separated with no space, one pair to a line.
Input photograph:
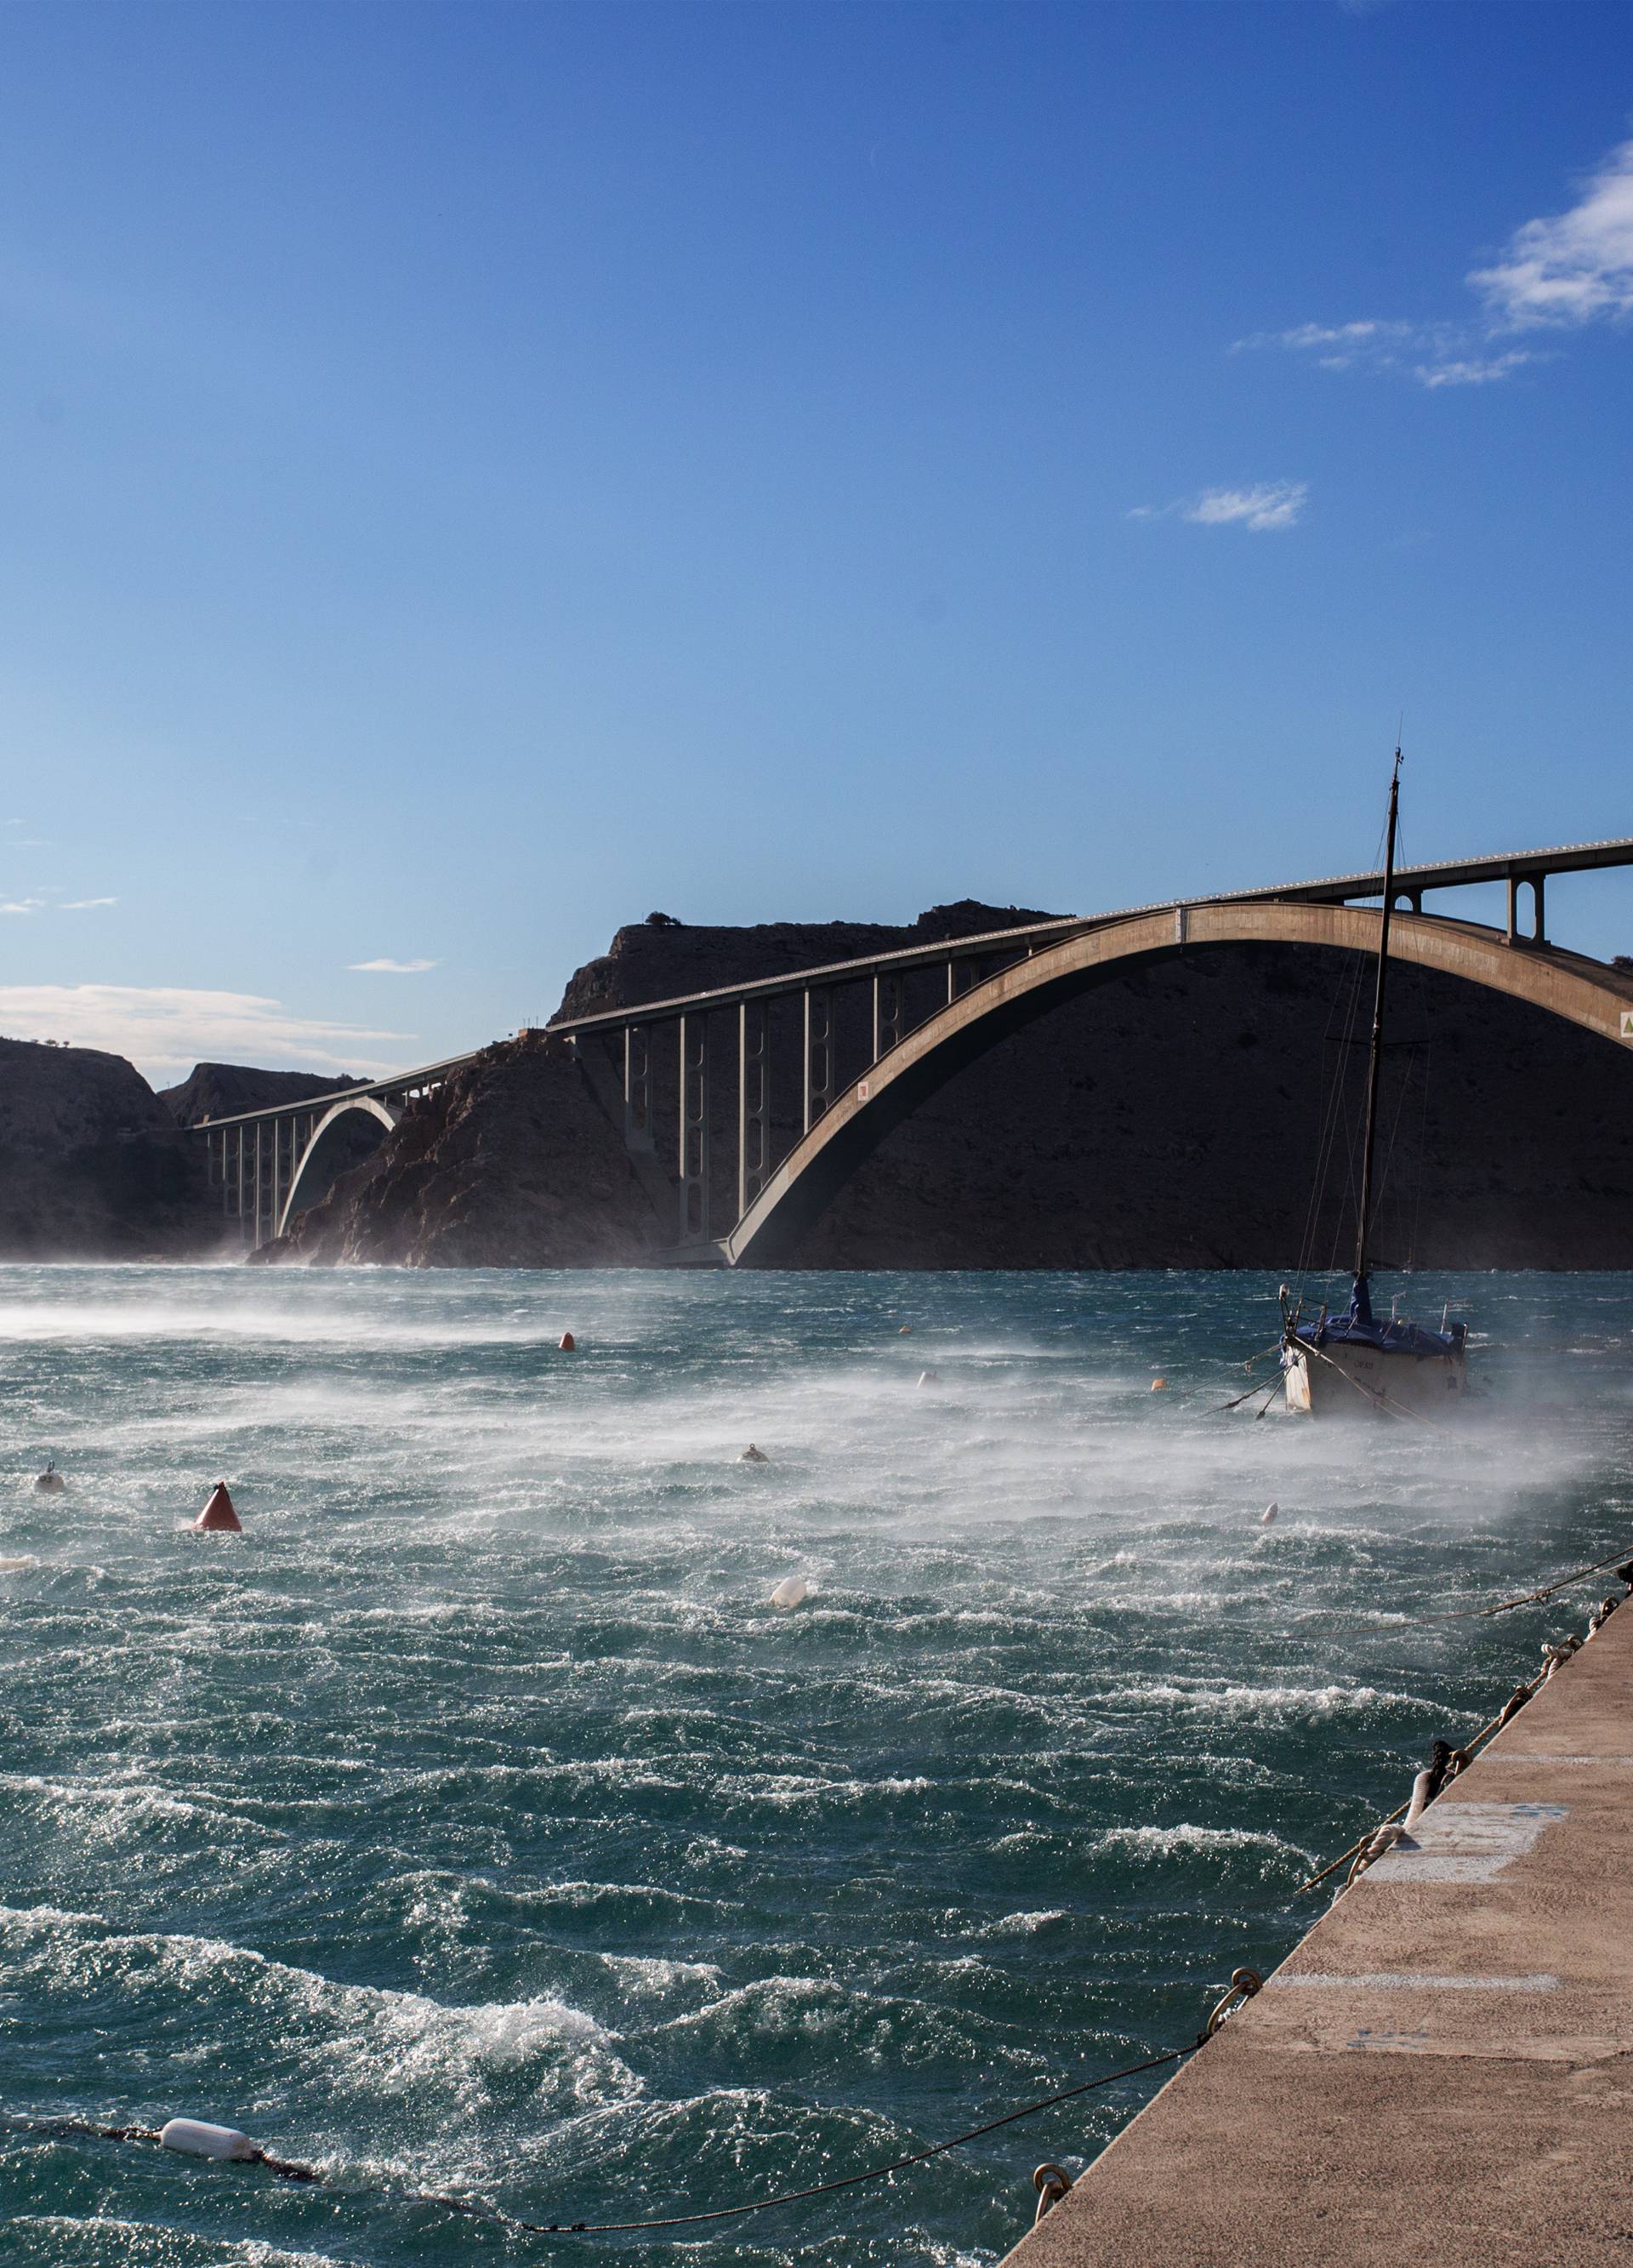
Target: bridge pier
[693,1114]
[887,992]
[637,1087]
[753,1097]
[819,1031]
[1515,881]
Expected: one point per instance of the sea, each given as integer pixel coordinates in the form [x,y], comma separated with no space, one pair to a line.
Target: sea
[473,1828]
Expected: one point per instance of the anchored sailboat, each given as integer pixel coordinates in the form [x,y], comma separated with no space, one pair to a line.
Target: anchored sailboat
[1351,1363]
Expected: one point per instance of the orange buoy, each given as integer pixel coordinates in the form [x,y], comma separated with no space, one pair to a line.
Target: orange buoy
[1159,1385]
[567,1344]
[218,1517]
[906,1332]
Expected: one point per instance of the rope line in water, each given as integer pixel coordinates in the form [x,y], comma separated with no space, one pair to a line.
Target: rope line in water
[478,2208]
[1620,1559]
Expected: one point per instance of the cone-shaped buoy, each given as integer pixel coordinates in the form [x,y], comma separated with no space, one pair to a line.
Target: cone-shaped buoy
[1269,1514]
[51,1481]
[218,1517]
[567,1344]
[906,1332]
[1159,1385]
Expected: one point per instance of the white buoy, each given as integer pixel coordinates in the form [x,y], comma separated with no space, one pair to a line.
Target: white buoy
[200,2140]
[791,1591]
[1269,1514]
[1425,1787]
[929,1378]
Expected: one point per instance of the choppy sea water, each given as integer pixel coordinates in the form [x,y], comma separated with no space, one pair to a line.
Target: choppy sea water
[473,1824]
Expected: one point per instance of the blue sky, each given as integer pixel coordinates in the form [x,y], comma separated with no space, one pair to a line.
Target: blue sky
[473,475]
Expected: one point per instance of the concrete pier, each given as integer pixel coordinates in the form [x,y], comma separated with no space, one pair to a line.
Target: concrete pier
[1442,2072]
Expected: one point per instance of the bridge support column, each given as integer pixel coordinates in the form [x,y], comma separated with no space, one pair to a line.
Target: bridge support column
[819,1082]
[637,1087]
[1515,883]
[754,1071]
[694,1113]
[887,1015]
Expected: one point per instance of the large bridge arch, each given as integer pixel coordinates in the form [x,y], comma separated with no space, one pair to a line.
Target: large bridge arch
[331,1150]
[1582,991]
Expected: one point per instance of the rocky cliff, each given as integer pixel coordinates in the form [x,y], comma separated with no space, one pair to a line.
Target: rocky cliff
[91,1164]
[1201,1114]
[511,1164]
[213,1090]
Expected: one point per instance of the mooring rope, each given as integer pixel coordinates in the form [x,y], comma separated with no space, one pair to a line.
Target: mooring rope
[1620,1559]
[1243,1984]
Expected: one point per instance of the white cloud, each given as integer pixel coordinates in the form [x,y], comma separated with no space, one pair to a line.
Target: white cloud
[1347,338]
[1574,268]
[166,1030]
[1555,274]
[84,905]
[1434,354]
[1271,505]
[392,967]
[1472,370]
[20,905]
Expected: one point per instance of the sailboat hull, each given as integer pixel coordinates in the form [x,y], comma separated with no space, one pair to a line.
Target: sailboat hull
[1357,1380]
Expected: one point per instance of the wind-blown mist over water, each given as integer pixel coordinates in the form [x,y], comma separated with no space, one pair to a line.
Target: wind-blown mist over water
[472,1823]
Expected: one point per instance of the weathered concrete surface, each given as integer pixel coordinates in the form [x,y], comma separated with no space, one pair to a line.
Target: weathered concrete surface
[1442,2071]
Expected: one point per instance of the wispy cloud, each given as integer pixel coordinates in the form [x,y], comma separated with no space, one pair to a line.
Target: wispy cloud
[1575,268]
[1434,354]
[1271,505]
[51,905]
[166,1030]
[1557,274]
[392,967]
[1476,370]
[1337,345]
[1266,508]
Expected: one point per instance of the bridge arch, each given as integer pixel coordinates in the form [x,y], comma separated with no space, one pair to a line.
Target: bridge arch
[1583,992]
[331,1150]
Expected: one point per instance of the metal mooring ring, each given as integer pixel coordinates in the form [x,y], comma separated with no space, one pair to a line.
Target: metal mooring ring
[1244,1983]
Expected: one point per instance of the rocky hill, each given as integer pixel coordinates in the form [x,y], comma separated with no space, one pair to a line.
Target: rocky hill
[91,1164]
[213,1090]
[1179,1117]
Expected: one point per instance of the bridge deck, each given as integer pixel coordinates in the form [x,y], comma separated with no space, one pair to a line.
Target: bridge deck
[1338,890]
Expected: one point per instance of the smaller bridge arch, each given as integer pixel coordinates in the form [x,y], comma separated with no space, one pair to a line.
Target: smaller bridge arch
[323,1159]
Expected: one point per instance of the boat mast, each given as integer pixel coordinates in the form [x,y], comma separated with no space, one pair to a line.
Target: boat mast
[1375,1062]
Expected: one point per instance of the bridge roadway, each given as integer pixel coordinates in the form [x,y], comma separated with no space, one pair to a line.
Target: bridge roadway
[267,1165]
[1442,2071]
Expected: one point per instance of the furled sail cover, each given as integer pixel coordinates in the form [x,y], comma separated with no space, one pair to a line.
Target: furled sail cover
[1359,1327]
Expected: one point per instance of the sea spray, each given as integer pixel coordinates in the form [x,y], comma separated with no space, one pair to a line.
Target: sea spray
[474,1823]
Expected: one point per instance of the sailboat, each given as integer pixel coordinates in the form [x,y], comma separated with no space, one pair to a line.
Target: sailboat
[1352,1364]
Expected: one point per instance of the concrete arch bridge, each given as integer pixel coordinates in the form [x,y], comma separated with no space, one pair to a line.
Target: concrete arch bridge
[745,1110]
